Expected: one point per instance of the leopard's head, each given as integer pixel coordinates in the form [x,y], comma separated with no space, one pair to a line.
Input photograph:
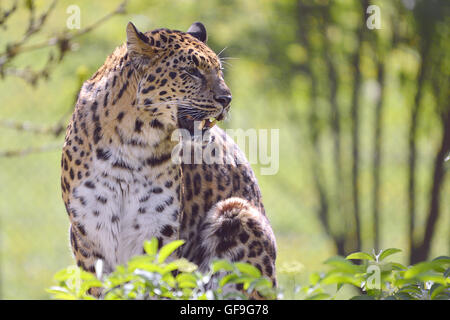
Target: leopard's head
[180,79]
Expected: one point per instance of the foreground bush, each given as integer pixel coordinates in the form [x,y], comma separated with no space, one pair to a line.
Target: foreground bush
[151,276]
[376,278]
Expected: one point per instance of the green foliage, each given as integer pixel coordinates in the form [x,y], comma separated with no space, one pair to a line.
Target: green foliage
[377,279]
[153,276]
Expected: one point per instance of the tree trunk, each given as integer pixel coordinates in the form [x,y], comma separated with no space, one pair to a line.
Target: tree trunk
[355,127]
[377,156]
[423,250]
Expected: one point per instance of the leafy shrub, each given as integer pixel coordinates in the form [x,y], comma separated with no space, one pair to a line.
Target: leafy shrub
[152,276]
[375,278]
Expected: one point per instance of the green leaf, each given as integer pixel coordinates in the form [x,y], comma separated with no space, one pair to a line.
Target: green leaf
[432,276]
[248,269]
[185,265]
[151,247]
[398,266]
[262,283]
[150,267]
[221,265]
[447,273]
[440,258]
[441,263]
[64,296]
[335,278]
[386,253]
[410,289]
[245,280]
[359,256]
[168,268]
[228,278]
[186,280]
[71,273]
[319,296]
[362,297]
[139,262]
[343,265]
[264,286]
[376,293]
[168,249]
[404,296]
[419,268]
[435,290]
[314,278]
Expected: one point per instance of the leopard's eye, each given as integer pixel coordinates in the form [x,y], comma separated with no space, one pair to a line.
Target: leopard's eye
[193,71]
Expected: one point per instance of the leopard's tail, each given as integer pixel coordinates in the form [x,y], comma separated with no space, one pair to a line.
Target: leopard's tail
[237,231]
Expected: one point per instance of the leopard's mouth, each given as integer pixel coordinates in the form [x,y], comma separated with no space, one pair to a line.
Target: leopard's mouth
[198,121]
[197,126]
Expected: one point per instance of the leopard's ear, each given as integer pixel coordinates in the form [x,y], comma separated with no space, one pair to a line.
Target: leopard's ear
[198,30]
[137,42]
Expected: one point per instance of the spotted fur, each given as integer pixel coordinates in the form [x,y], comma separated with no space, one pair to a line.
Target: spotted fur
[119,183]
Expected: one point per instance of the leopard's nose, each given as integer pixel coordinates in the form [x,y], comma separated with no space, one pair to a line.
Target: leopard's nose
[224,100]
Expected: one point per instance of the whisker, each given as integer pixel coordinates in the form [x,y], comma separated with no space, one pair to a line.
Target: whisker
[228,58]
[221,51]
[227,64]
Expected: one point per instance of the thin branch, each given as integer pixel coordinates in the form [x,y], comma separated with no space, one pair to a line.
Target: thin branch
[12,49]
[26,151]
[8,13]
[62,41]
[70,36]
[54,130]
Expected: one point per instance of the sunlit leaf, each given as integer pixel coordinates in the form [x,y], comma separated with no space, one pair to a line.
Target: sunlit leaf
[419,268]
[398,266]
[186,280]
[314,278]
[222,265]
[335,278]
[151,247]
[319,296]
[343,265]
[168,249]
[433,276]
[386,253]
[248,269]
[228,278]
[359,256]
[139,262]
[185,265]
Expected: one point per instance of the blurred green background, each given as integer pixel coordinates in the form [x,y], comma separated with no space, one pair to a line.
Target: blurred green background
[363,117]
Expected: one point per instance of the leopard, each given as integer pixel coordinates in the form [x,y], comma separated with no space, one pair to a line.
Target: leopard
[121,183]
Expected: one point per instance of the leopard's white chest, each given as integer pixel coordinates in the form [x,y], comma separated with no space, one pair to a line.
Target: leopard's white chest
[123,203]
